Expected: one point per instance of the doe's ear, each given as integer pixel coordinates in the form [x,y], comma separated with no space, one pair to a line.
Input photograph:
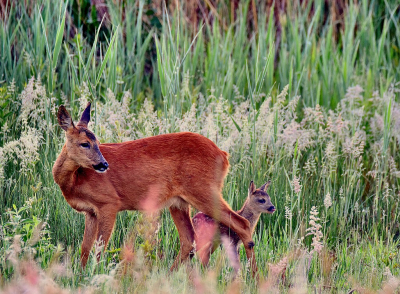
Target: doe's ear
[64,119]
[252,188]
[85,118]
[265,186]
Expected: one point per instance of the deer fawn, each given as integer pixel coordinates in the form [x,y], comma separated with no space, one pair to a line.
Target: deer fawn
[209,235]
[172,170]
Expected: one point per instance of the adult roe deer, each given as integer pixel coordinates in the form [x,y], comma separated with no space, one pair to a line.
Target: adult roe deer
[172,170]
[209,234]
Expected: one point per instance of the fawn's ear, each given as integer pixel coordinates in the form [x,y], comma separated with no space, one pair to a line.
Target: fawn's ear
[85,118]
[252,188]
[265,186]
[64,119]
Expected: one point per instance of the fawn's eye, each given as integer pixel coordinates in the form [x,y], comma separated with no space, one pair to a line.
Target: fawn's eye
[85,145]
[261,200]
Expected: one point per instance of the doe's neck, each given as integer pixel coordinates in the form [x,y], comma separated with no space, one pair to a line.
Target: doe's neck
[64,170]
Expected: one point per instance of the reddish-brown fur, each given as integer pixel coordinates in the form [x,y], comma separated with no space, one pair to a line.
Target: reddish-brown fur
[171,170]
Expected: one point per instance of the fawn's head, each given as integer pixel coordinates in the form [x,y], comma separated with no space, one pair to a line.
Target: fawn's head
[259,200]
[82,145]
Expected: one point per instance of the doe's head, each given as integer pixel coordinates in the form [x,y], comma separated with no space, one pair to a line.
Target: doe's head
[82,145]
[259,200]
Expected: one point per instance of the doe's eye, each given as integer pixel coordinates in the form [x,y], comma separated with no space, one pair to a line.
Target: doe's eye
[85,145]
[261,200]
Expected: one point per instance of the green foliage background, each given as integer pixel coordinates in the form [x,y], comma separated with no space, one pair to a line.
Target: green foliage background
[229,71]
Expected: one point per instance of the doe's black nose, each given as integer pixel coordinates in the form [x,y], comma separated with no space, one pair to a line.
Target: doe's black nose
[271,208]
[101,167]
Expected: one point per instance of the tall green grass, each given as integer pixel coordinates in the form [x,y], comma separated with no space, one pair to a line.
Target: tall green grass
[314,59]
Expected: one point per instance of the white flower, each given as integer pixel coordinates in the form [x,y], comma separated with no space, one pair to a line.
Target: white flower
[310,166]
[315,230]
[2,164]
[327,200]
[296,185]
[25,150]
[189,120]
[288,213]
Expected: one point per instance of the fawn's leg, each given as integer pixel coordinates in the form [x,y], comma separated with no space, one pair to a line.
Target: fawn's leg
[183,223]
[204,253]
[241,227]
[220,211]
[231,249]
[91,226]
[207,237]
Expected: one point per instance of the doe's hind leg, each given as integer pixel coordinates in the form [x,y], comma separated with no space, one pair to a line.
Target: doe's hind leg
[220,211]
[241,227]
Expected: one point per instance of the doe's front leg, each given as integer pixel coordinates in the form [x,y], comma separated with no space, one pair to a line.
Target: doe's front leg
[91,227]
[106,220]
[251,258]
[183,223]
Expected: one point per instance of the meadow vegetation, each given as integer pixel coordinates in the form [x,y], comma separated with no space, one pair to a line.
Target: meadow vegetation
[318,115]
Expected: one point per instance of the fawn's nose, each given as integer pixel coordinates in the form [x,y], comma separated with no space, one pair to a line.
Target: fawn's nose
[271,208]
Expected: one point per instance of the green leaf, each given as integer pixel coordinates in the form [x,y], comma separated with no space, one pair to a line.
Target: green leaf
[236,125]
[59,37]
[71,64]
[94,45]
[106,57]
[160,69]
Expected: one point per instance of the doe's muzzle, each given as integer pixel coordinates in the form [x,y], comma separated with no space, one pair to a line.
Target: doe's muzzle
[101,167]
